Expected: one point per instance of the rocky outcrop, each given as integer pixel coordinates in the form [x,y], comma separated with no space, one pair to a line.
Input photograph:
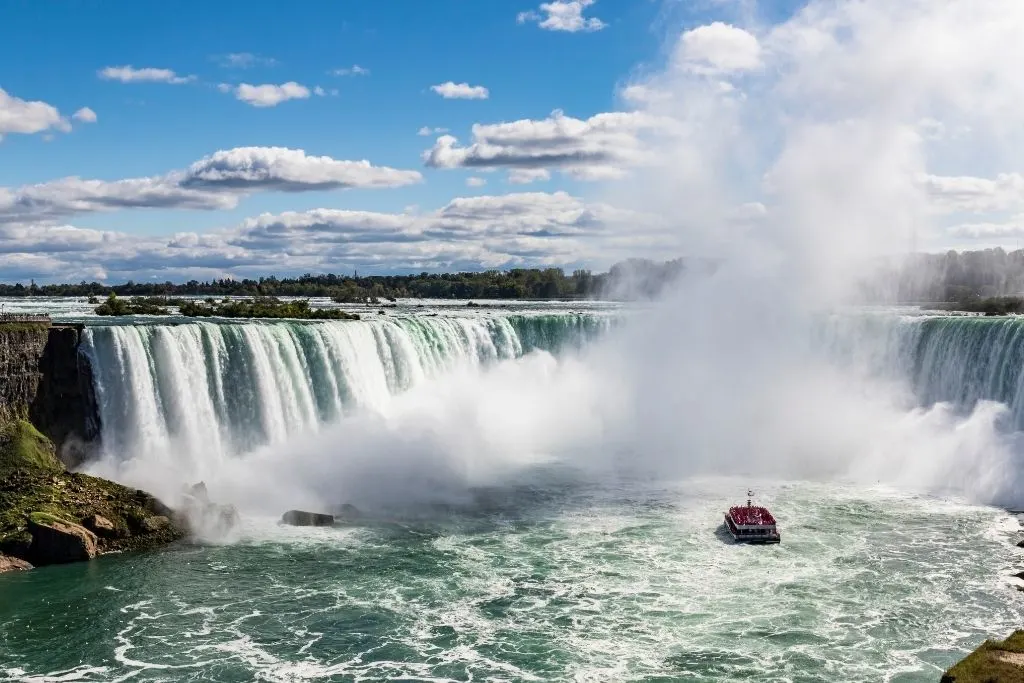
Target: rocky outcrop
[303,518]
[204,518]
[12,564]
[50,516]
[44,378]
[58,541]
[100,525]
[64,406]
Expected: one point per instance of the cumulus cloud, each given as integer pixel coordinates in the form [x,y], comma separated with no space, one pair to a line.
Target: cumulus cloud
[461,91]
[85,115]
[598,147]
[288,170]
[214,182]
[270,95]
[129,74]
[354,70]
[467,233]
[563,15]
[475,181]
[718,48]
[28,117]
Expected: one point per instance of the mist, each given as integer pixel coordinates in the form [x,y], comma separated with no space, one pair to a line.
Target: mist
[793,156]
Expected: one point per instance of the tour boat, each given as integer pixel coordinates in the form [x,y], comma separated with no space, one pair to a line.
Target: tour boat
[751,523]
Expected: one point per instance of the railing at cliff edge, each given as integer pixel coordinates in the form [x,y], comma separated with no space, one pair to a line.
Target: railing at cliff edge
[24,318]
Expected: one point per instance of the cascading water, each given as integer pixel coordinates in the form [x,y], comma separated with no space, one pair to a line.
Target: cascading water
[959,360]
[211,390]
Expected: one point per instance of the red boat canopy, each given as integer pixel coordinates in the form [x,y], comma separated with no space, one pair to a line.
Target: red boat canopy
[751,515]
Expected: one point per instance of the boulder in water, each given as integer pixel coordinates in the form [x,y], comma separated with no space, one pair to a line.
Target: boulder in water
[206,518]
[303,518]
[1020,544]
[56,540]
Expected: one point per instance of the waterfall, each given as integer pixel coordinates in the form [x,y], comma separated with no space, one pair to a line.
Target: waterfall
[208,390]
[953,359]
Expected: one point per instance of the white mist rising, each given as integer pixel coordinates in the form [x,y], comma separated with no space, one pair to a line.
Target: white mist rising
[818,126]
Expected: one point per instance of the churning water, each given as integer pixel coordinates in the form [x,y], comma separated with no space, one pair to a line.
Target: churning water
[553,572]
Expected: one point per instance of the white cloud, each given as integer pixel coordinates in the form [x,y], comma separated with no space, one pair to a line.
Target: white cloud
[461,91]
[718,48]
[354,70]
[582,148]
[427,130]
[129,74]
[244,60]
[214,182]
[475,181]
[525,176]
[288,170]
[85,115]
[270,95]
[319,92]
[527,229]
[951,194]
[563,15]
[27,117]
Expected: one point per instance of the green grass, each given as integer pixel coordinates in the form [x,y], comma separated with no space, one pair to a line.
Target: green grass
[34,485]
[985,666]
[22,446]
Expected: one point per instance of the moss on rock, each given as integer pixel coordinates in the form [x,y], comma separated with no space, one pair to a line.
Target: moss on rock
[35,487]
[23,447]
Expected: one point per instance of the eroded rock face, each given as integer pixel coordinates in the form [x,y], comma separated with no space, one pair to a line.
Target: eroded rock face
[56,541]
[303,518]
[12,564]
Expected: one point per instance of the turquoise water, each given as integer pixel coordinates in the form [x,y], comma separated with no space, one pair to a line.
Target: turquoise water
[553,582]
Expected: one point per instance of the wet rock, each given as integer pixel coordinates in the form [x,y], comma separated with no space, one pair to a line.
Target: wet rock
[12,564]
[1020,544]
[56,540]
[100,525]
[1019,575]
[205,518]
[303,518]
[155,523]
[199,492]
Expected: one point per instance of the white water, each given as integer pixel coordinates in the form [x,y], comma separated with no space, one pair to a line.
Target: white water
[189,397]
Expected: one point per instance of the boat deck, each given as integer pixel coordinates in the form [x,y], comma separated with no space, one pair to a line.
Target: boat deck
[751,515]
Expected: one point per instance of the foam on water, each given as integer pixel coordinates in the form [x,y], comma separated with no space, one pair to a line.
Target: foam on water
[620,582]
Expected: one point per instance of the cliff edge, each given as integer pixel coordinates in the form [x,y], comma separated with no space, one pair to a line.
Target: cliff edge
[44,379]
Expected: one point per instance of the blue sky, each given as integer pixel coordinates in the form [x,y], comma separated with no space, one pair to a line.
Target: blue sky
[199,139]
[148,128]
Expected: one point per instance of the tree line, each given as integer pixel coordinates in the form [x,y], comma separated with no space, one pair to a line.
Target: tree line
[635,278]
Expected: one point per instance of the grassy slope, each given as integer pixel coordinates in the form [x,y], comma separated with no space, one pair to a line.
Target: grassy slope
[33,481]
[985,666]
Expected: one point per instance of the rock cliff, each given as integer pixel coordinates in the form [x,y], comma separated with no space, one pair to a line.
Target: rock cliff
[45,379]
